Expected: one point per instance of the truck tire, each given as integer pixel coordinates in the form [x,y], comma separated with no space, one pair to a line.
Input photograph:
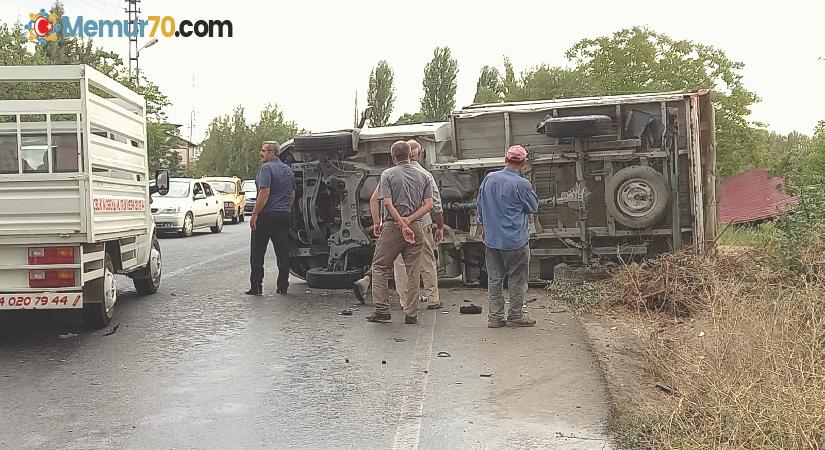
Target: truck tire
[565,273]
[218,224]
[324,143]
[147,281]
[103,292]
[637,196]
[575,126]
[188,225]
[320,278]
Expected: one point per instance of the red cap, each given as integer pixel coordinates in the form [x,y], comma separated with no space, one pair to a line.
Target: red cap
[516,153]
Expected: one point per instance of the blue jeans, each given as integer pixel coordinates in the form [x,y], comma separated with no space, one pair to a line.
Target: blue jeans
[514,265]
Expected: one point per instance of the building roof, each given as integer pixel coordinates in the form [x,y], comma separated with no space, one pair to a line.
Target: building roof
[752,196]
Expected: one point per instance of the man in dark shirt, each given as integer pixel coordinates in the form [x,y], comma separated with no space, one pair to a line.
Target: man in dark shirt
[272,217]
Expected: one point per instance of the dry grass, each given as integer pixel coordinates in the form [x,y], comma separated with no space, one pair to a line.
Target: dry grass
[755,379]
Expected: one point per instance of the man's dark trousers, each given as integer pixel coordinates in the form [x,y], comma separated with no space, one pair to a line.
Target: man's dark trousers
[271,226]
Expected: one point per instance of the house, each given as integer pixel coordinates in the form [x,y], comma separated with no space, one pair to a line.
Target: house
[753,196]
[189,151]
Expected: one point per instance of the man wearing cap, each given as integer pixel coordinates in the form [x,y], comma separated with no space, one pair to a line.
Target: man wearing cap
[272,218]
[505,202]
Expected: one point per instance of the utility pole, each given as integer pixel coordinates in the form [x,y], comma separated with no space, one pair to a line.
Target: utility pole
[133,25]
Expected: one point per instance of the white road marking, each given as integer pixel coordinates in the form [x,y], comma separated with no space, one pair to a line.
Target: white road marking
[408,433]
[220,257]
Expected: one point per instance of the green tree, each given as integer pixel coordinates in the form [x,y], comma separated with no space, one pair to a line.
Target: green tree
[410,118]
[439,86]
[381,94]
[640,60]
[232,145]
[489,88]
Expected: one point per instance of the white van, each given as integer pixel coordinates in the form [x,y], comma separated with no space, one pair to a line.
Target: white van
[74,191]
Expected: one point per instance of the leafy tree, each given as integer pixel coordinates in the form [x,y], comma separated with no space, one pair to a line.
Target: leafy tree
[381,94]
[232,145]
[489,88]
[439,86]
[410,118]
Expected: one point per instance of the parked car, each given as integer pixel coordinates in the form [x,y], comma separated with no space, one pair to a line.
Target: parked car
[251,192]
[234,198]
[190,204]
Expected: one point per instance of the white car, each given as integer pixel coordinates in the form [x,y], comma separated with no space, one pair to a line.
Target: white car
[251,192]
[189,205]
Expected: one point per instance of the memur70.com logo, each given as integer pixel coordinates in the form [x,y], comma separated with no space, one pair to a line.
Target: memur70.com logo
[46,27]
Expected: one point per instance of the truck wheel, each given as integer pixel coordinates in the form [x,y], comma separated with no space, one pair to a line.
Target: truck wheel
[575,126]
[188,225]
[637,196]
[219,224]
[320,278]
[103,292]
[148,281]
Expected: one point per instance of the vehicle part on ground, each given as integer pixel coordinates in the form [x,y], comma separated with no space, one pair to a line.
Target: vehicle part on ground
[319,278]
[147,281]
[100,297]
[637,196]
[577,274]
[575,126]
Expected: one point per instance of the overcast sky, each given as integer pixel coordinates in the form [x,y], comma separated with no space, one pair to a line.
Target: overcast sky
[310,57]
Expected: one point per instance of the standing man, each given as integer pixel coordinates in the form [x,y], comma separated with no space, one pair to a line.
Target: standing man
[505,201]
[407,196]
[272,217]
[432,236]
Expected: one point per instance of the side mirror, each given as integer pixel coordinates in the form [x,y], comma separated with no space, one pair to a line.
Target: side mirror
[162,181]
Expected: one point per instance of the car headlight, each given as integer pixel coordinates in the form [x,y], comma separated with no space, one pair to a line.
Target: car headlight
[169,210]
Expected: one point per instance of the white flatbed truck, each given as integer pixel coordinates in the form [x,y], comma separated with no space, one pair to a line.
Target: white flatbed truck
[74,191]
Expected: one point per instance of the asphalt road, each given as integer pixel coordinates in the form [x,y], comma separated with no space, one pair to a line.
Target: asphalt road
[200,365]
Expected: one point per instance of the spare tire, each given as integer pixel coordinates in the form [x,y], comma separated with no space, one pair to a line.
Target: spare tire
[335,142]
[637,196]
[575,126]
[320,278]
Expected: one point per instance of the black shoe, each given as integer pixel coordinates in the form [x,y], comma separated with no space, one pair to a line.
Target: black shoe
[437,306]
[379,317]
[281,291]
[409,320]
[255,291]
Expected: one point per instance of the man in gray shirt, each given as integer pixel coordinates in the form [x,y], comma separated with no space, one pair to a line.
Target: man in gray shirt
[407,195]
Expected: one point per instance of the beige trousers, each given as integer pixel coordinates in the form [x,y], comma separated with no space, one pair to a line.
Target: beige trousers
[391,244]
[429,272]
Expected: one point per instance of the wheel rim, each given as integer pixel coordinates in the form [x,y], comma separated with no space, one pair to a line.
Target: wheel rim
[636,198]
[155,266]
[220,221]
[109,291]
[187,225]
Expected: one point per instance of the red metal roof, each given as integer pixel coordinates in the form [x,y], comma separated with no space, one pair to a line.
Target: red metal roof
[752,196]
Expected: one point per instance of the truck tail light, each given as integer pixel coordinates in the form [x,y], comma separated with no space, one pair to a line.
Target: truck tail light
[51,255]
[51,278]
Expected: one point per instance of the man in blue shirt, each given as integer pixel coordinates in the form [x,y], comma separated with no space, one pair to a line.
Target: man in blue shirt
[272,218]
[505,202]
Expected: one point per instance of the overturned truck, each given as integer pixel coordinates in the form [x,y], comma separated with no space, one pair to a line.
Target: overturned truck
[618,178]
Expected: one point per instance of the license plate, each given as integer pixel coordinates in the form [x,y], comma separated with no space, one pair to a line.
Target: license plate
[41,301]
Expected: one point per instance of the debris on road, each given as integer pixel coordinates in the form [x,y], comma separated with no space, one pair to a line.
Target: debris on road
[68,335]
[443,355]
[398,339]
[701,334]
[471,309]
[485,375]
[383,362]
[532,300]
[346,312]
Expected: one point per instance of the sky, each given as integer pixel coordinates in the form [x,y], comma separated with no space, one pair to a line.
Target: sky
[311,57]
